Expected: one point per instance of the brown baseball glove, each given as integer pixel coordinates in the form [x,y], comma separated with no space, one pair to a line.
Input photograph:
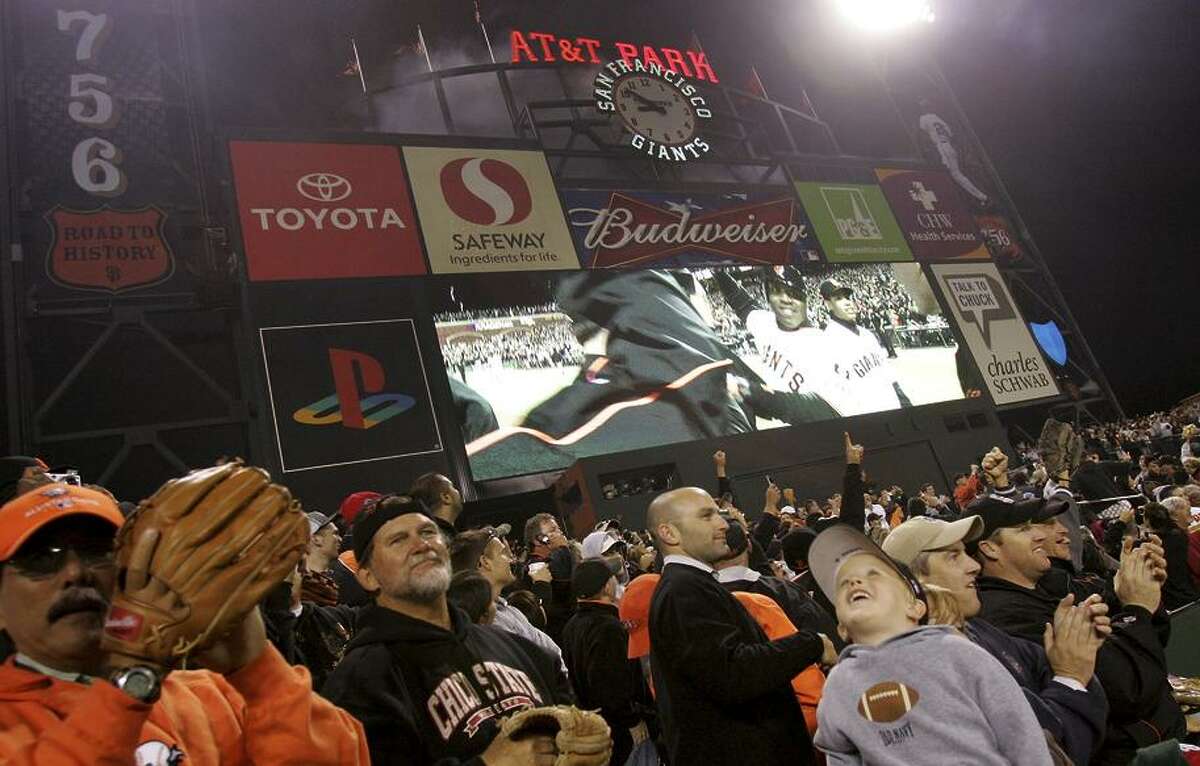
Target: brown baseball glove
[581,736]
[195,558]
[1055,445]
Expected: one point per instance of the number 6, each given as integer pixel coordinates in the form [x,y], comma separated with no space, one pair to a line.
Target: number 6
[93,163]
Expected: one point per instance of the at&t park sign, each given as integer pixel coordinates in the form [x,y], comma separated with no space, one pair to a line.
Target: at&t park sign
[543,46]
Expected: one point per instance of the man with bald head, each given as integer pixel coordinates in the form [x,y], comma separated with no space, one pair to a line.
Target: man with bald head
[724,693]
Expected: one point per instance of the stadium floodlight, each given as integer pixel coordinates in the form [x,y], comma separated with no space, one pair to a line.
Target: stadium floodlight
[886,15]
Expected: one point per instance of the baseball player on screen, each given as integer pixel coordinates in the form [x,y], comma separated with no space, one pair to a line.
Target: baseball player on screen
[940,134]
[864,379]
[793,359]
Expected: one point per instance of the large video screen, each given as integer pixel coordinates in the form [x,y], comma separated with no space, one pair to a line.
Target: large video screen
[549,367]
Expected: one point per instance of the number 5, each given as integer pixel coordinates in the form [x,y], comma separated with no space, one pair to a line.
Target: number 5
[95,30]
[103,112]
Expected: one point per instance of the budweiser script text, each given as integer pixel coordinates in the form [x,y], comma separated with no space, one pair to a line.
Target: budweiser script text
[614,228]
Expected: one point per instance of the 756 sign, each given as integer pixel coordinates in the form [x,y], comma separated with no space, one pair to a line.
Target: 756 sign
[95,161]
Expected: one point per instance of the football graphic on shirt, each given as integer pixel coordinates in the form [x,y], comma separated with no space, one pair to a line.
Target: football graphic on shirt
[887,701]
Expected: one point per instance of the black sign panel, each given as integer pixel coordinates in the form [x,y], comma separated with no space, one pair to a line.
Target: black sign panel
[348,393]
[109,185]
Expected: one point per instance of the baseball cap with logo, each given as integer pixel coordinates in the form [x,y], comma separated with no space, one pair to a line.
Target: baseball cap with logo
[836,545]
[915,536]
[635,613]
[354,502]
[830,288]
[22,517]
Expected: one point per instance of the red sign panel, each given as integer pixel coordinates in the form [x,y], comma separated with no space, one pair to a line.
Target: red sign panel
[929,210]
[324,211]
[1001,237]
[106,249]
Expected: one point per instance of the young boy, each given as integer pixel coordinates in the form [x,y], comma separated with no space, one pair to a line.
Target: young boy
[905,692]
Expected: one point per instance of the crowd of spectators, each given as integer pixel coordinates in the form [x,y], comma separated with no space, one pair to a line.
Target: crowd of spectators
[545,344]
[1019,617]
[472,315]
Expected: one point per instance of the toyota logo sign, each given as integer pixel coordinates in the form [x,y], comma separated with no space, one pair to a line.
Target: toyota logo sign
[323,187]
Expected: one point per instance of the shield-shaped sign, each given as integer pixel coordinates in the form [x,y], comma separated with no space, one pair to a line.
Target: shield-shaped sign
[1050,338]
[108,250]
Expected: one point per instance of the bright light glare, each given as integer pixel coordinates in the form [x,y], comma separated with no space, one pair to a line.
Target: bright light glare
[886,15]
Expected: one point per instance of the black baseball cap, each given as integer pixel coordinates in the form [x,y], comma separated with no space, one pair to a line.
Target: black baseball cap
[831,287]
[786,275]
[370,520]
[999,512]
[590,577]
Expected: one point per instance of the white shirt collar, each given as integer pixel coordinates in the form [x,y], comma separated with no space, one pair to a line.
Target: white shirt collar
[679,558]
[30,663]
[734,574]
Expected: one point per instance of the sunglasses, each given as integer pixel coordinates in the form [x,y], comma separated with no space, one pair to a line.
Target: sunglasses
[48,560]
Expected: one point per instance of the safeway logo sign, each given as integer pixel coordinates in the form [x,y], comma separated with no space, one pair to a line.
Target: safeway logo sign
[323,187]
[489,210]
[486,192]
[324,211]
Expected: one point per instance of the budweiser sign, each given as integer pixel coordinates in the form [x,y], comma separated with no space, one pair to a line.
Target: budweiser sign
[643,229]
[323,211]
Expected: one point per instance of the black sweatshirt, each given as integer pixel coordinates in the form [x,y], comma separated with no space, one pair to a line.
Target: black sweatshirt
[724,691]
[431,696]
[1131,665]
[596,649]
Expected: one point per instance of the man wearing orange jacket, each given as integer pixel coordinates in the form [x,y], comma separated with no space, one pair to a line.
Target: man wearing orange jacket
[57,704]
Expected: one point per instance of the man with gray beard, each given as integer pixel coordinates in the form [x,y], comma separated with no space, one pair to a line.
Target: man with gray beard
[429,685]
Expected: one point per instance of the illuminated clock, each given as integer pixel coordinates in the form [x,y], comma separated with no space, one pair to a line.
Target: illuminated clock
[650,106]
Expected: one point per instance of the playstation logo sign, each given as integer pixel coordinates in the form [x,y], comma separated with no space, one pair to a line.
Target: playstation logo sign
[347,405]
[379,407]
[323,187]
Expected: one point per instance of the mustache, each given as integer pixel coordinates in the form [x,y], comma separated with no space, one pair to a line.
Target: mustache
[78,600]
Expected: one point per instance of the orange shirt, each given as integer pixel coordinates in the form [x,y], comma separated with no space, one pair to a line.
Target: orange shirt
[347,558]
[265,713]
[775,623]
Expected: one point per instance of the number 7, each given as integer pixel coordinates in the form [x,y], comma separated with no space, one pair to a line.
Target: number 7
[95,30]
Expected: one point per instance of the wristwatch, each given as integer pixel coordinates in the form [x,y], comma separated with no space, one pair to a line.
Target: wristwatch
[142,683]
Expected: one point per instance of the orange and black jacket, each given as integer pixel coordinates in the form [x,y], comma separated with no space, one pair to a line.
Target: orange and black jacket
[265,713]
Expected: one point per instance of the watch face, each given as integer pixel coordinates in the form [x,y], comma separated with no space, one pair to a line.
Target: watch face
[655,109]
[139,683]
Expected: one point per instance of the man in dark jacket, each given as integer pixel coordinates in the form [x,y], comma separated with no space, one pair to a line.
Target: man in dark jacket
[595,646]
[548,570]
[429,685]
[1131,665]
[1058,680]
[724,693]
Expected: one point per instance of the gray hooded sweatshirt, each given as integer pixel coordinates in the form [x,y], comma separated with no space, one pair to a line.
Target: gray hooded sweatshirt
[928,696]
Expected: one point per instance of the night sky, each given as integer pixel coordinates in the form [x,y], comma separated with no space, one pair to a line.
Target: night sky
[1088,109]
[1090,114]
